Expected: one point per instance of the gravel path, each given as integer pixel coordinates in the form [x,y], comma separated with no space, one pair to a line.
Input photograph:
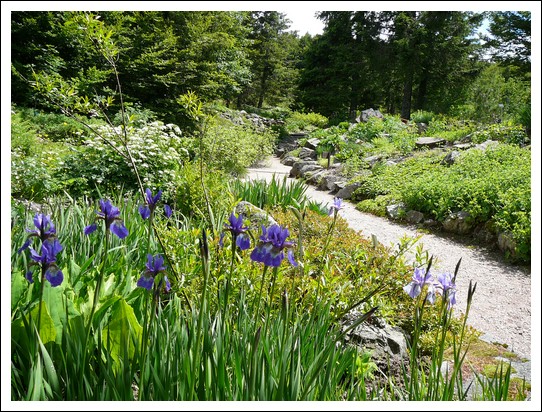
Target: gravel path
[501,307]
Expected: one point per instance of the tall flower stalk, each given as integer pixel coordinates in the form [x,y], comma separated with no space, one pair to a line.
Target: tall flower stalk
[154,281]
[333,210]
[424,288]
[241,240]
[50,247]
[110,215]
[270,252]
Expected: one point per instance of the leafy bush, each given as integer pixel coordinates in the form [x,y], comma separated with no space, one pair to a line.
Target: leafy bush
[495,98]
[202,197]
[449,128]
[157,149]
[506,133]
[305,122]
[24,138]
[514,218]
[55,127]
[421,116]
[367,131]
[229,147]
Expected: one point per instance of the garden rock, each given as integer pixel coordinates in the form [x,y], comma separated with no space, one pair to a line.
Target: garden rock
[459,223]
[395,211]
[316,177]
[309,168]
[430,142]
[307,154]
[450,158]
[387,344]
[346,192]
[372,160]
[422,128]
[366,114]
[330,182]
[414,217]
[486,144]
[289,160]
[295,171]
[256,217]
[463,146]
[506,243]
[312,143]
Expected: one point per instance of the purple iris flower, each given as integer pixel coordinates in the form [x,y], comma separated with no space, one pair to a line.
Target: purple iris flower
[154,266]
[446,283]
[45,230]
[167,211]
[419,279]
[270,248]
[110,214]
[47,261]
[241,239]
[150,204]
[336,206]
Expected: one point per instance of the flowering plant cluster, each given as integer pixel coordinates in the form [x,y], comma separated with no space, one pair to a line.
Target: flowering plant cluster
[151,201]
[50,247]
[111,216]
[444,285]
[271,246]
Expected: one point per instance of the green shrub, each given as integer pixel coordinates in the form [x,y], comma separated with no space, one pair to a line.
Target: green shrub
[514,218]
[506,133]
[55,127]
[376,206]
[421,116]
[157,150]
[192,200]
[305,122]
[24,138]
[230,148]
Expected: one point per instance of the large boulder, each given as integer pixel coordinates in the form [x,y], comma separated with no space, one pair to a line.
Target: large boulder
[430,142]
[255,217]
[366,114]
[387,344]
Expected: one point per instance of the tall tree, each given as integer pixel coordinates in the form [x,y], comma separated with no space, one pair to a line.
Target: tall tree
[433,52]
[270,49]
[509,42]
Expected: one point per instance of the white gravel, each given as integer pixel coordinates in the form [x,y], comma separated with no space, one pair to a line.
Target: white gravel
[501,308]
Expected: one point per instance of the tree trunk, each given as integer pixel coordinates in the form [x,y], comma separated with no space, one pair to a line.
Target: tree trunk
[422,93]
[263,86]
[407,97]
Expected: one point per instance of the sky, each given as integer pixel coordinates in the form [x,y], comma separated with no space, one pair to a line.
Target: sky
[304,21]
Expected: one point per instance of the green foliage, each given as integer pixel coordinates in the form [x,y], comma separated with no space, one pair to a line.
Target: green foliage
[495,98]
[23,134]
[513,217]
[34,161]
[367,131]
[488,184]
[422,116]
[190,197]
[268,195]
[376,206]
[450,129]
[305,122]
[232,148]
[54,127]
[157,149]
[506,133]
